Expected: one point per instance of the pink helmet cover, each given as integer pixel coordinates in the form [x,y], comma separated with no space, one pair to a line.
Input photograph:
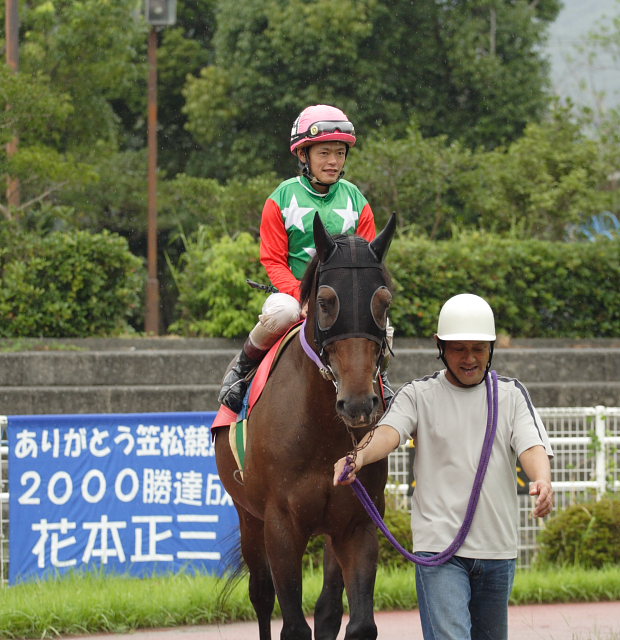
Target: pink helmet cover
[321,123]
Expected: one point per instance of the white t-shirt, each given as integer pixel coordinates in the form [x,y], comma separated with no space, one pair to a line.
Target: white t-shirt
[448,424]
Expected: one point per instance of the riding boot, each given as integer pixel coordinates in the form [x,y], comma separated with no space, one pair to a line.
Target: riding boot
[235,383]
[388,391]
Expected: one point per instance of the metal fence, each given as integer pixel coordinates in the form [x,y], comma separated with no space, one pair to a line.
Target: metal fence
[586,442]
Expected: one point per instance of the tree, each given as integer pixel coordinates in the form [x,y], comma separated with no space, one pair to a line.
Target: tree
[76,58]
[183,50]
[468,69]
[415,176]
[551,177]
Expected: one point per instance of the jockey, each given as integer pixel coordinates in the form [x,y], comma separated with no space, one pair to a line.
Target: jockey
[321,138]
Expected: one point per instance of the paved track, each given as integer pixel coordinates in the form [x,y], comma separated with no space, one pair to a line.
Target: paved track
[574,621]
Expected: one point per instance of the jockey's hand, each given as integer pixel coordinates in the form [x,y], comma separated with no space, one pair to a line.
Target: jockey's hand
[304,311]
[339,467]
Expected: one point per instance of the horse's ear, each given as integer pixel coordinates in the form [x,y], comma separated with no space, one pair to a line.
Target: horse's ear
[323,242]
[381,243]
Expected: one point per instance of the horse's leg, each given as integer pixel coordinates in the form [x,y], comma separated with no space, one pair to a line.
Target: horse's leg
[262,592]
[328,609]
[358,553]
[251,529]
[285,547]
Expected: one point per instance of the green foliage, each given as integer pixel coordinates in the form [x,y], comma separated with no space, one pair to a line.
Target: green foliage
[29,104]
[90,49]
[584,535]
[225,209]
[94,603]
[470,77]
[79,63]
[183,50]
[536,288]
[549,178]
[399,523]
[116,197]
[417,177]
[67,285]
[214,297]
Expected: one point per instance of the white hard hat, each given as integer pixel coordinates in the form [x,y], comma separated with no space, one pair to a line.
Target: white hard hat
[466,317]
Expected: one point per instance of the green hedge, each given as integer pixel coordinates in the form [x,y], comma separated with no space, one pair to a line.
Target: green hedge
[585,535]
[214,298]
[536,288]
[399,524]
[65,285]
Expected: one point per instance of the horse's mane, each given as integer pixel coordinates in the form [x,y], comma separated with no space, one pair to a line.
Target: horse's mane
[308,279]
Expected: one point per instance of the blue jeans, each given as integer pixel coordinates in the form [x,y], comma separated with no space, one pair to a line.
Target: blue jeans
[465,599]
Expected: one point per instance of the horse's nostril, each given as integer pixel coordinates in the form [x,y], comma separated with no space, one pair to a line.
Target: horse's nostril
[357,409]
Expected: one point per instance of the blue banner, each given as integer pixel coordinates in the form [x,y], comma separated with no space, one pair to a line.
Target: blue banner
[124,493]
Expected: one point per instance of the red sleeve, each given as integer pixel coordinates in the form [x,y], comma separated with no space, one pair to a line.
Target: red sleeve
[274,250]
[366,228]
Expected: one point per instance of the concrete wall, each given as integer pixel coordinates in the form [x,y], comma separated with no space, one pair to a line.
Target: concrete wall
[171,374]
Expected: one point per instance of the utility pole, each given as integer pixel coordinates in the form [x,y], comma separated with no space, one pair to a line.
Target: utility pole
[151,324]
[159,13]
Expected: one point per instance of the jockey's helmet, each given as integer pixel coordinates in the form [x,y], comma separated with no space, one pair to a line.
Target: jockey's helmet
[321,123]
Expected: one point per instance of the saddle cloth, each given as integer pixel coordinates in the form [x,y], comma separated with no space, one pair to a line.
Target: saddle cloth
[238,422]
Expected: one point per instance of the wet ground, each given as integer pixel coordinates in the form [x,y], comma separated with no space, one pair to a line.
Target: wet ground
[572,621]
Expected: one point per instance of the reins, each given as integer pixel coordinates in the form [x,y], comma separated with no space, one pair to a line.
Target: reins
[443,556]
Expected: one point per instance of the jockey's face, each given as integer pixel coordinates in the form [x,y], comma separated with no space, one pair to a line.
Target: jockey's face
[326,161]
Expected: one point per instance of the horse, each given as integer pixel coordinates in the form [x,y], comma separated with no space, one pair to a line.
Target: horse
[302,423]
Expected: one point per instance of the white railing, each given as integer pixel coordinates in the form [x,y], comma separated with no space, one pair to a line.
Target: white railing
[586,442]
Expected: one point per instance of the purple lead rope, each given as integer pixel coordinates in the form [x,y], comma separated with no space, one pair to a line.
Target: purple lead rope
[443,556]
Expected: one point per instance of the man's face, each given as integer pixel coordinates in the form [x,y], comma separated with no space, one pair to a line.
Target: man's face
[467,361]
[326,160]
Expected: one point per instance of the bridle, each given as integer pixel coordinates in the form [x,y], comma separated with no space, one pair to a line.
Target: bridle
[354,276]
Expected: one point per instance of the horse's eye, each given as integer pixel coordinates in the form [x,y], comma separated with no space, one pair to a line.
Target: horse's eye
[328,307]
[379,306]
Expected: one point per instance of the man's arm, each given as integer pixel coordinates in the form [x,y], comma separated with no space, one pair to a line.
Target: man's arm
[274,250]
[535,463]
[383,441]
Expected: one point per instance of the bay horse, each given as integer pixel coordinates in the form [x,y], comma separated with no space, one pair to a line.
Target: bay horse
[301,424]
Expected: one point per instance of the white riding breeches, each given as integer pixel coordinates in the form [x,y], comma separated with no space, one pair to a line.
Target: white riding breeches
[279,312]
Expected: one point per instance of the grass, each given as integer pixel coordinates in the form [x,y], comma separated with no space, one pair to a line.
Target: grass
[80,604]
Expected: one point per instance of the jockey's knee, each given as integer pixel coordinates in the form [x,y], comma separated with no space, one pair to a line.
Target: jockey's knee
[279,313]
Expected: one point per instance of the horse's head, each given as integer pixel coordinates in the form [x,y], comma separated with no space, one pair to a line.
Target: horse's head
[347,288]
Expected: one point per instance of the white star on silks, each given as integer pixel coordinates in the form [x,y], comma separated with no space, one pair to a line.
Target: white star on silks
[311,251]
[348,215]
[293,214]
